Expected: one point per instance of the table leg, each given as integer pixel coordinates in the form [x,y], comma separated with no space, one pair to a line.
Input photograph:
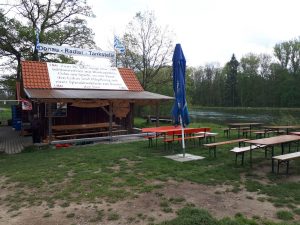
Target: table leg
[282,149]
[272,153]
[250,155]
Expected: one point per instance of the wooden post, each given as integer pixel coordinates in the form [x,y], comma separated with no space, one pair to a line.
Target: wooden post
[131,117]
[157,113]
[110,120]
[49,122]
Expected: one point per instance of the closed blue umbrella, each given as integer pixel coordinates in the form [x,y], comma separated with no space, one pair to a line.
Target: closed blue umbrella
[180,111]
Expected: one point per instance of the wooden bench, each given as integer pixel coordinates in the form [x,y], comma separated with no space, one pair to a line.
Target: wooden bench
[285,158]
[245,132]
[241,151]
[228,130]
[264,133]
[75,135]
[213,146]
[186,137]
[208,135]
[150,137]
[197,133]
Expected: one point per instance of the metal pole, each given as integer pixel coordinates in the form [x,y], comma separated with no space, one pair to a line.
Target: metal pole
[182,135]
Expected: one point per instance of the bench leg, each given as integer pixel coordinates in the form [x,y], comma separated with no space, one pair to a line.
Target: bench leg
[212,149]
[266,153]
[272,154]
[150,144]
[287,163]
[243,156]
[250,157]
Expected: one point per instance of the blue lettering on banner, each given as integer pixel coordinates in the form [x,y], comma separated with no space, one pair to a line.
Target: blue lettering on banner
[74,51]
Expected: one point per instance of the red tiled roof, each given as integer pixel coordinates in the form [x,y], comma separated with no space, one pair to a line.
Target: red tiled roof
[35,75]
[130,79]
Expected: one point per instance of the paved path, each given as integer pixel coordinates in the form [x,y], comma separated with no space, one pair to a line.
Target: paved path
[11,142]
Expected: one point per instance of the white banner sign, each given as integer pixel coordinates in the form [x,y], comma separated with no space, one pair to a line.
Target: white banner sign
[85,77]
[75,51]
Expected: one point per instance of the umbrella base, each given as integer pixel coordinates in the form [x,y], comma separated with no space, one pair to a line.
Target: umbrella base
[188,157]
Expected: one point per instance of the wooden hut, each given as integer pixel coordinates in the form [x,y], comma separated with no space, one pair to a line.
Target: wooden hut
[75,106]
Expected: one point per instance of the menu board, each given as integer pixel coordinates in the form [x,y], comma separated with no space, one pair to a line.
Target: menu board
[73,76]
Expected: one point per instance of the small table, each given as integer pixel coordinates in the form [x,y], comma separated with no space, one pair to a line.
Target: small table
[239,125]
[272,141]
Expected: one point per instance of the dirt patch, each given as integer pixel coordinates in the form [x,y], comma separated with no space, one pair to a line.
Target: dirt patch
[145,207]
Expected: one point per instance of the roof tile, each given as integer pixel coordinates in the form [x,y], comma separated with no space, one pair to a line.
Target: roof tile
[130,79]
[35,75]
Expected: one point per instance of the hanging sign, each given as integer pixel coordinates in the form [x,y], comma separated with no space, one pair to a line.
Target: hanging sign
[65,50]
[26,105]
[85,77]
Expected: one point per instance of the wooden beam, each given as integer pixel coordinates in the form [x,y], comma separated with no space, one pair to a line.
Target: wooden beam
[110,120]
[49,122]
[105,110]
[157,113]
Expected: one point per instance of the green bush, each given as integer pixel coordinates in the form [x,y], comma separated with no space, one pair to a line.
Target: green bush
[284,215]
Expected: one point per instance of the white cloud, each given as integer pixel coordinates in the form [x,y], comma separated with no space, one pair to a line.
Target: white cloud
[208,30]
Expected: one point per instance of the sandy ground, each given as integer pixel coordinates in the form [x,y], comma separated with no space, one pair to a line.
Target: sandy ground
[220,201]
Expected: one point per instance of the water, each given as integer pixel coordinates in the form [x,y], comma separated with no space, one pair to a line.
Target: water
[261,115]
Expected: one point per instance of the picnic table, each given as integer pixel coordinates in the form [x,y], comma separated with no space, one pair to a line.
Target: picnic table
[171,131]
[283,127]
[271,142]
[239,126]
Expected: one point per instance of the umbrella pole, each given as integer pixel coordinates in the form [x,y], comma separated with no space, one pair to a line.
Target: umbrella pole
[182,135]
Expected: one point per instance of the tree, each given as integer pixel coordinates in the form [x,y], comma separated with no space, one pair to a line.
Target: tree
[288,54]
[148,47]
[59,22]
[231,69]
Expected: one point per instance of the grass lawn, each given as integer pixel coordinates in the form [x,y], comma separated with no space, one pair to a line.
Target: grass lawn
[5,114]
[110,174]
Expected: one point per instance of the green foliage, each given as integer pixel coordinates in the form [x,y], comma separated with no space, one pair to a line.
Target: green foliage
[113,216]
[5,113]
[58,22]
[192,216]
[256,82]
[231,82]
[195,216]
[284,215]
[118,172]
[297,211]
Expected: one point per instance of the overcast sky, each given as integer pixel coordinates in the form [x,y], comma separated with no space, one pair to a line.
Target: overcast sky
[208,30]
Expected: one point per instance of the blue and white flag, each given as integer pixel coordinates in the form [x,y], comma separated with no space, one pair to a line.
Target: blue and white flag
[118,45]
